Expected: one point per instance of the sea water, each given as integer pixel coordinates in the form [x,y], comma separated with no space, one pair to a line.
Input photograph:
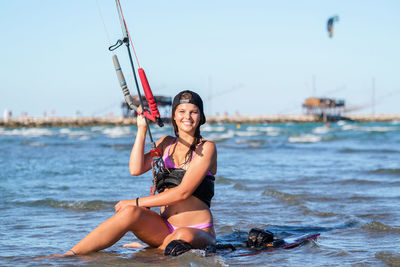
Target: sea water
[57,184]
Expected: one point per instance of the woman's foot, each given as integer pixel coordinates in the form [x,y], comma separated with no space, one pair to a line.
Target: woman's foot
[133,245]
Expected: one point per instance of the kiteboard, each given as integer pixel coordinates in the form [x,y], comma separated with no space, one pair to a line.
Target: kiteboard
[284,243]
[288,242]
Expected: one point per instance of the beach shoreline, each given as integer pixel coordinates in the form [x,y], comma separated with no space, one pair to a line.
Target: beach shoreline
[86,121]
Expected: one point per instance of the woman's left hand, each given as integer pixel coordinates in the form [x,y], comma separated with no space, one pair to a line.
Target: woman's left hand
[124,203]
[140,120]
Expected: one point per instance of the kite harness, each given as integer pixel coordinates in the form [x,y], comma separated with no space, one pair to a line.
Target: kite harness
[152,114]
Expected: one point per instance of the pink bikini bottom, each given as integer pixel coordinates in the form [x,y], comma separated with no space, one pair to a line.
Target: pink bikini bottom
[197,226]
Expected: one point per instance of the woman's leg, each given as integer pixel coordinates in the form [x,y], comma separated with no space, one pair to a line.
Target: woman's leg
[147,225]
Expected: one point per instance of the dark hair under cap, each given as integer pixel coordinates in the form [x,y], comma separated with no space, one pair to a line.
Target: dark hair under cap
[191,97]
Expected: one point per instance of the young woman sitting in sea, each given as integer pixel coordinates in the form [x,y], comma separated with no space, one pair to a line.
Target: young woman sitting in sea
[185,189]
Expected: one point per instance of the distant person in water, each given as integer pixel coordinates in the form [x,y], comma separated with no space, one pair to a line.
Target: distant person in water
[185,189]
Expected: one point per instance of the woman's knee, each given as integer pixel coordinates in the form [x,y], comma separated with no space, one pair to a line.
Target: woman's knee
[130,213]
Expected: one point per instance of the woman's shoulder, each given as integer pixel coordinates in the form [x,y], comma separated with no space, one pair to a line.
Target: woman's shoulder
[165,141]
[207,142]
[207,145]
[166,138]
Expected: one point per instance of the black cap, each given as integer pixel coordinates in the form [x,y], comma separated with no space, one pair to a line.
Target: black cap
[194,99]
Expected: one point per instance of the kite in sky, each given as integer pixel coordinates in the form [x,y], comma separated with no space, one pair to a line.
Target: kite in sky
[330,23]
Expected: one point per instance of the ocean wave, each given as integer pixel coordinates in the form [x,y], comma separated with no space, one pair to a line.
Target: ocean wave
[299,201]
[97,128]
[357,182]
[33,144]
[117,132]
[224,180]
[321,130]
[75,134]
[250,142]
[118,146]
[264,129]
[369,128]
[381,129]
[389,171]
[305,138]
[322,214]
[301,229]
[286,197]
[271,131]
[60,188]
[221,137]
[93,205]
[354,150]
[246,134]
[28,132]
[350,127]
[65,131]
[241,187]
[378,226]
[388,257]
[209,128]
[366,198]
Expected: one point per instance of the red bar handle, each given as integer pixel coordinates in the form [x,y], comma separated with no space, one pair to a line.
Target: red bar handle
[154,113]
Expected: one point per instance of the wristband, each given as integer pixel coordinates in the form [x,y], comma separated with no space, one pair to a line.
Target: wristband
[137,202]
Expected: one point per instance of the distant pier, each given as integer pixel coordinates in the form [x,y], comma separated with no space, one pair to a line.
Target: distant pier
[82,121]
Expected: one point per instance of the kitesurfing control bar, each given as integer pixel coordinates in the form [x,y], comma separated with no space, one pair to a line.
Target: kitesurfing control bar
[154,114]
[157,163]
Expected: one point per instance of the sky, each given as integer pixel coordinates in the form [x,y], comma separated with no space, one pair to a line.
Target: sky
[249,57]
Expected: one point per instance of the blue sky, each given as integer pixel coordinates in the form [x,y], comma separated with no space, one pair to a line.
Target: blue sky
[251,57]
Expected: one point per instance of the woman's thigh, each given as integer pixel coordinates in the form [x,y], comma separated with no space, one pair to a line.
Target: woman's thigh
[150,228]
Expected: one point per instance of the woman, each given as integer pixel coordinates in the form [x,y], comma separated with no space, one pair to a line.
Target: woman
[185,188]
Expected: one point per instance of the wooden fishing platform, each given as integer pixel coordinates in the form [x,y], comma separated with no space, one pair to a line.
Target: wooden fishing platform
[328,109]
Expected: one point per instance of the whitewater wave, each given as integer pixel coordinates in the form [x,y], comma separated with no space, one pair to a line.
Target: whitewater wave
[321,130]
[305,138]
[117,132]
[28,132]
[369,128]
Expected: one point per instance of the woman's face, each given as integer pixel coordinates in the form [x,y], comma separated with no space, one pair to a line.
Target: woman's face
[187,117]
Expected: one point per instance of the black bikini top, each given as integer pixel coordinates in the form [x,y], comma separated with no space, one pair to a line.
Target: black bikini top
[204,192]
